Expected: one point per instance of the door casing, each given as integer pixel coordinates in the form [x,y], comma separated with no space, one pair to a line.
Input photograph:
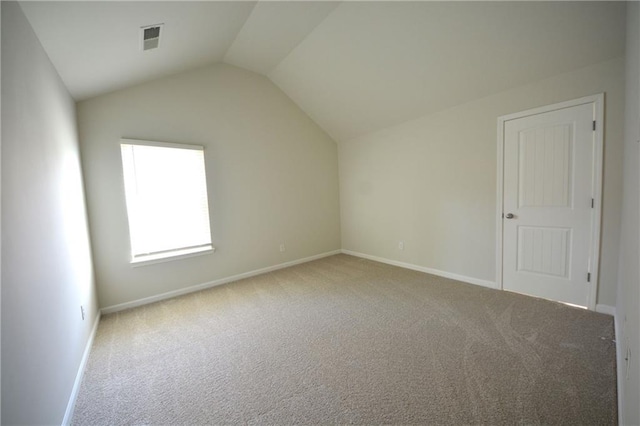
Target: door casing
[598,102]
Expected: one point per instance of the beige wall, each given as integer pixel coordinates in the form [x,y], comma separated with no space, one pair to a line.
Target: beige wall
[431,182]
[272,177]
[628,302]
[46,262]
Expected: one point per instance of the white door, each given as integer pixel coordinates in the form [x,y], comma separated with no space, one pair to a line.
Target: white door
[548,204]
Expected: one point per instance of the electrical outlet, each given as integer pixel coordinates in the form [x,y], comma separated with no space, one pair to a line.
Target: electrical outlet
[401,245]
[82,312]
[627,359]
[282,248]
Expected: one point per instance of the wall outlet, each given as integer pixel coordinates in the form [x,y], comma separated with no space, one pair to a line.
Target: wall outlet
[401,245]
[282,248]
[627,359]
[82,312]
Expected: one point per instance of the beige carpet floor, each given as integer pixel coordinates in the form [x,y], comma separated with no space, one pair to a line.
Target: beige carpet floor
[347,340]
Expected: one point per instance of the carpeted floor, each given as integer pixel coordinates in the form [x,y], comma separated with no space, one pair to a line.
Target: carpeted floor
[347,340]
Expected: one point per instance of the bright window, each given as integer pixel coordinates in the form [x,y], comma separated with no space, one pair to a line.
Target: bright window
[166,192]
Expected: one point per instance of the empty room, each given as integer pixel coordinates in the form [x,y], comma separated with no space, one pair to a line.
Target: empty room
[313,212]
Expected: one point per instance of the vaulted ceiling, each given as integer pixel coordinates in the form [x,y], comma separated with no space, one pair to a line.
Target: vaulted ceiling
[354,67]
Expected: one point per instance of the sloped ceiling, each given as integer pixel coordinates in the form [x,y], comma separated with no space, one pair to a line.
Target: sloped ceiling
[272,31]
[95,46]
[354,67]
[372,65]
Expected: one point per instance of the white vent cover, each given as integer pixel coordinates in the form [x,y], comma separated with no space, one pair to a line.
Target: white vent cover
[150,36]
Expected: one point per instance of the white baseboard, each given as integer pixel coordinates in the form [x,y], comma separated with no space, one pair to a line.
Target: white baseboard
[606,309]
[83,364]
[203,286]
[463,278]
[620,367]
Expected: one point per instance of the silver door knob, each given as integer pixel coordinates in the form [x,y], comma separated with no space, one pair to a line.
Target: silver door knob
[509,216]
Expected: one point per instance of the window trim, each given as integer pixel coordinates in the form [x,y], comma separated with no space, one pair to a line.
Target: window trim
[173,255]
[169,255]
[143,142]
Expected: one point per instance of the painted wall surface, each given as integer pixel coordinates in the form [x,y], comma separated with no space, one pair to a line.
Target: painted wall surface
[46,260]
[431,182]
[272,177]
[628,302]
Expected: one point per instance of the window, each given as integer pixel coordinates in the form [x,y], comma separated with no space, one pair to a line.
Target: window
[166,193]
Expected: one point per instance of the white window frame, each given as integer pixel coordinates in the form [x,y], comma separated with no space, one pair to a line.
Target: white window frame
[172,254]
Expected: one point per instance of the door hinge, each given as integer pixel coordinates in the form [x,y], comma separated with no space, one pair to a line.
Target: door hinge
[594,124]
[592,202]
[588,277]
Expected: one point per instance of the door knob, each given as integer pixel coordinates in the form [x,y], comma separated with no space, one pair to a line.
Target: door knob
[509,216]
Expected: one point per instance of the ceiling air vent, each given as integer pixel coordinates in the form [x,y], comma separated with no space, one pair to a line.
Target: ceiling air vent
[151,36]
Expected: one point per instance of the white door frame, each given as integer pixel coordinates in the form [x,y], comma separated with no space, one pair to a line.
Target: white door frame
[596,186]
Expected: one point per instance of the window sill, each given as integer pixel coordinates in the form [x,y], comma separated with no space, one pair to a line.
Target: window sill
[174,255]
